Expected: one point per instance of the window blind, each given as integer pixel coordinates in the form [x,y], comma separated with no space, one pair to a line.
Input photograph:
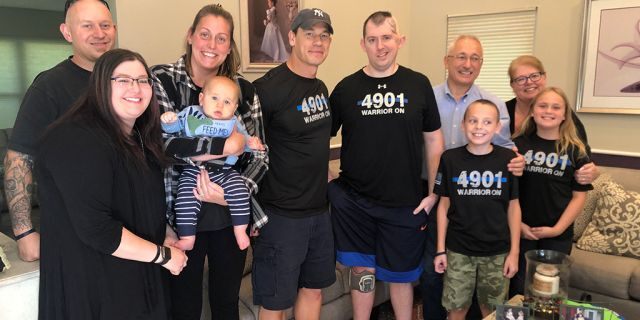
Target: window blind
[504,36]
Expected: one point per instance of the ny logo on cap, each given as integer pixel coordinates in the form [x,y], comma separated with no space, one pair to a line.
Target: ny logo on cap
[318,12]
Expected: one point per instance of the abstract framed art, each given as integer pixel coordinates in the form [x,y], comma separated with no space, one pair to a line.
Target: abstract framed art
[609,79]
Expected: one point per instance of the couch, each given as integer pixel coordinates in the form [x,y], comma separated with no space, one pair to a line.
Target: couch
[611,281]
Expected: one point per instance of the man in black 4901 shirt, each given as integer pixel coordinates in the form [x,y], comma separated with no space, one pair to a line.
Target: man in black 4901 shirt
[293,255]
[387,113]
[89,28]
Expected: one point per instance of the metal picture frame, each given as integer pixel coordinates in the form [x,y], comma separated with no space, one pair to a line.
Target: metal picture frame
[609,80]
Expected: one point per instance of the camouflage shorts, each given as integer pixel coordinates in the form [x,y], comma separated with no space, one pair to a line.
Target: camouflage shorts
[460,280]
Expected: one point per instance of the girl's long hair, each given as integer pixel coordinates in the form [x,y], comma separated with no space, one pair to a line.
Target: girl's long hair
[95,109]
[568,132]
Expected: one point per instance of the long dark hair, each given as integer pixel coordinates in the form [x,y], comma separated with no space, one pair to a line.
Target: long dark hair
[231,64]
[95,108]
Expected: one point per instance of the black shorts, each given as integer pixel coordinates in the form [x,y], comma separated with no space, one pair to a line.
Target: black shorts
[292,253]
[389,239]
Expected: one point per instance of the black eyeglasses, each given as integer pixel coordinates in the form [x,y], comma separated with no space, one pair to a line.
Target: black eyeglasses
[126,82]
[462,58]
[534,77]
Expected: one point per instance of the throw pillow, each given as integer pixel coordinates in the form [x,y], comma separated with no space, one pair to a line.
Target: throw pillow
[584,218]
[615,225]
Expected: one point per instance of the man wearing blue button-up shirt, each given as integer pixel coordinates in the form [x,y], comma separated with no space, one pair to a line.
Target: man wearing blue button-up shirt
[463,62]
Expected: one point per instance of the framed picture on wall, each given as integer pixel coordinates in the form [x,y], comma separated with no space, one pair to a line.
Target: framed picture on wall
[264,28]
[609,79]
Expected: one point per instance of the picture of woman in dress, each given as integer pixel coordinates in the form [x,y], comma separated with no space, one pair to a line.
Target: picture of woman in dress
[292,7]
[272,43]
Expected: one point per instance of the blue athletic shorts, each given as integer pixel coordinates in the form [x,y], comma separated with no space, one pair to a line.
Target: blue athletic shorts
[368,235]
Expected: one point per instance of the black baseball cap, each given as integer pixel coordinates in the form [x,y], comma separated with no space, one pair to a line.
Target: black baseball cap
[307,18]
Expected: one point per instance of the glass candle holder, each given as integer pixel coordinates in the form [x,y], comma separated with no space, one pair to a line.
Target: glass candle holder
[547,282]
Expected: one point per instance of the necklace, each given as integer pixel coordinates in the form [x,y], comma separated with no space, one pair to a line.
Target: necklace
[140,139]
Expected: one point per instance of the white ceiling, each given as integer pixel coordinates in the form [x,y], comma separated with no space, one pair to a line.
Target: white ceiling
[51,5]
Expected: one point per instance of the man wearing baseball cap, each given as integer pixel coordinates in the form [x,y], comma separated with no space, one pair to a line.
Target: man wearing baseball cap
[293,255]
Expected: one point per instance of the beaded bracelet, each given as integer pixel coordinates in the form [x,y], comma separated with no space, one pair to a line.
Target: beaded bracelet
[26,233]
[439,253]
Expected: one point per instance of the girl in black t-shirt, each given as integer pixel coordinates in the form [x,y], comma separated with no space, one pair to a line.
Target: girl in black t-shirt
[550,197]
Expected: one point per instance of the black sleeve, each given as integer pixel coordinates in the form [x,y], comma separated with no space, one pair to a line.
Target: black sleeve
[334,104]
[82,168]
[511,110]
[441,186]
[582,133]
[184,147]
[37,111]
[515,185]
[579,162]
[431,120]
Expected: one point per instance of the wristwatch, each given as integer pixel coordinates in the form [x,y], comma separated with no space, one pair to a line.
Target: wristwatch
[165,255]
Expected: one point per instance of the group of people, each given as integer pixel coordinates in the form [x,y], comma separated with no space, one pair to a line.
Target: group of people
[142,169]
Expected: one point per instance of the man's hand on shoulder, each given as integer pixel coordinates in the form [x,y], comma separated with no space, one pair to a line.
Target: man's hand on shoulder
[516,165]
[587,173]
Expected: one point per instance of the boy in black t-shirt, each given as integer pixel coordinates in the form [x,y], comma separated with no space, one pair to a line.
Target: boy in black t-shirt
[478,215]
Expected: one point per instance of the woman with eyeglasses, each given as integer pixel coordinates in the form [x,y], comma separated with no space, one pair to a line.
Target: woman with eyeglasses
[528,78]
[210,51]
[99,174]
[528,81]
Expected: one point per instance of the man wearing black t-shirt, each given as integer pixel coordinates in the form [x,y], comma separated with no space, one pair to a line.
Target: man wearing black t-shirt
[90,30]
[387,113]
[293,255]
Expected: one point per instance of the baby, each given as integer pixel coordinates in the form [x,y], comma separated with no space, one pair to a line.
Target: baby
[215,117]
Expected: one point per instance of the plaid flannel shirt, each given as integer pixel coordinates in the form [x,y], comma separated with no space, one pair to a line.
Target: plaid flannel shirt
[254,164]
